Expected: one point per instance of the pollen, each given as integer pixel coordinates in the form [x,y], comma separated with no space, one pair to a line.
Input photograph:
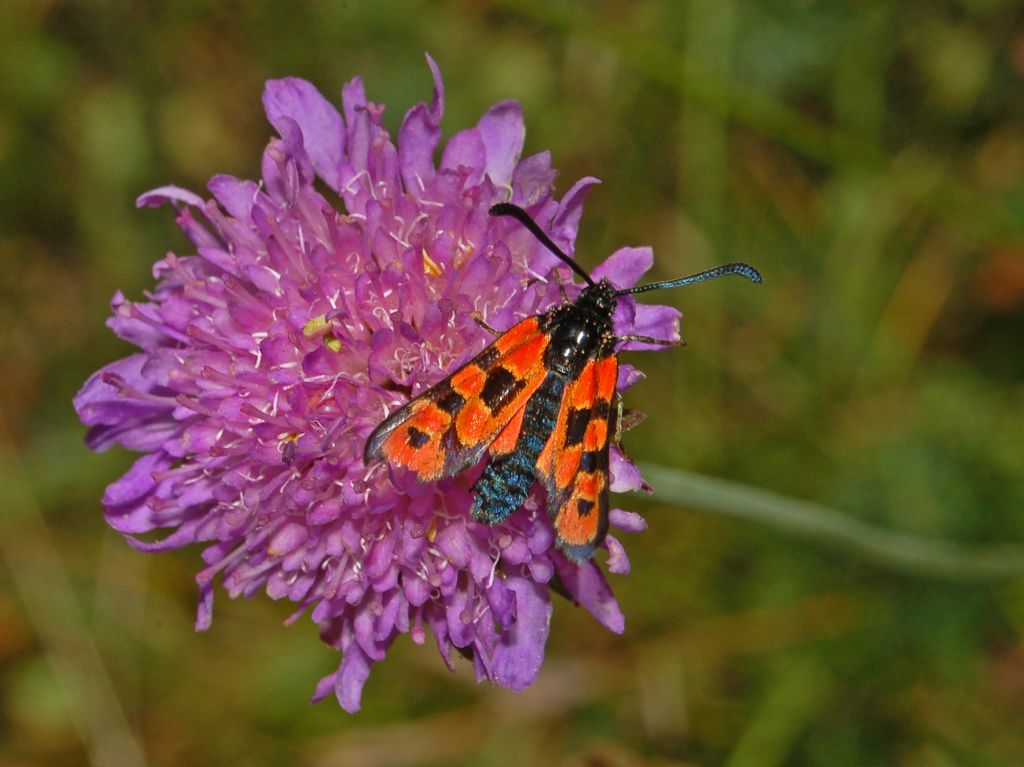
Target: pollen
[430,266]
[316,327]
[320,327]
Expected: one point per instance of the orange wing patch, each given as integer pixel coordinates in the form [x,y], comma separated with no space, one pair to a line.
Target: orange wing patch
[416,444]
[506,441]
[582,521]
[574,462]
[450,426]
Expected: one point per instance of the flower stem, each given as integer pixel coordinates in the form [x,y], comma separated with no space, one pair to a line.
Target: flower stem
[891,549]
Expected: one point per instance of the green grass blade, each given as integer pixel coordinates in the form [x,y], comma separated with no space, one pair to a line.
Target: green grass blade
[819,524]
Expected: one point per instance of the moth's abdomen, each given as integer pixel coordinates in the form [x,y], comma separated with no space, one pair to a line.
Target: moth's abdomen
[506,481]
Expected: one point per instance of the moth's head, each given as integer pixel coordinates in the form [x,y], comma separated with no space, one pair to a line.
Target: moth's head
[599,297]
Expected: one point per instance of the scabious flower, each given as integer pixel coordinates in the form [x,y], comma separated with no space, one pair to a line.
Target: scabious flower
[268,356]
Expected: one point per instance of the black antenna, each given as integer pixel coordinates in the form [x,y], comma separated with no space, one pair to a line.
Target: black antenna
[744,270]
[520,215]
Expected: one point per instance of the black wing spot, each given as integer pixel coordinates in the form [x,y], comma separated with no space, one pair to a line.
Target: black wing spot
[588,461]
[584,507]
[417,438]
[499,388]
[450,401]
[576,426]
[487,357]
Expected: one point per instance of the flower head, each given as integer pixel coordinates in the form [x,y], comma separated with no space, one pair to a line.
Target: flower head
[267,357]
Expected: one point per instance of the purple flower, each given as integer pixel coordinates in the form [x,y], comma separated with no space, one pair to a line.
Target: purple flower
[268,356]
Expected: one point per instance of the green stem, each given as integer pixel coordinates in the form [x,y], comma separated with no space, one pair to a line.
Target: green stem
[820,524]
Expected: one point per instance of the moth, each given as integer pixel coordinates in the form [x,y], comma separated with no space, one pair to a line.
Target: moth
[540,402]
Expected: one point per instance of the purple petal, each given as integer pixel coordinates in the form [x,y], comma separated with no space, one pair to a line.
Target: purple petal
[325,511]
[628,521]
[439,625]
[564,224]
[419,136]
[98,401]
[286,164]
[380,557]
[182,536]
[502,601]
[136,482]
[661,322]
[466,149]
[532,179]
[235,195]
[104,402]
[352,675]
[363,630]
[518,656]
[143,434]
[204,611]
[628,376]
[588,587]
[567,218]
[324,687]
[323,133]
[503,132]
[454,542]
[541,569]
[287,539]
[658,321]
[461,629]
[625,475]
[127,323]
[624,267]
[416,589]
[198,234]
[353,100]
[384,626]
[618,560]
[164,194]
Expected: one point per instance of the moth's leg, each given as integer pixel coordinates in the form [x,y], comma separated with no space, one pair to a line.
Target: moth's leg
[648,340]
[630,419]
[617,430]
[561,286]
[625,419]
[478,318]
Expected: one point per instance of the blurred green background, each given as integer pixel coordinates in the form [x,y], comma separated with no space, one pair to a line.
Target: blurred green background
[868,157]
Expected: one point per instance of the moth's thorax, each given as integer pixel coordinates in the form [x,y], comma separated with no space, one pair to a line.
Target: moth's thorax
[581,330]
